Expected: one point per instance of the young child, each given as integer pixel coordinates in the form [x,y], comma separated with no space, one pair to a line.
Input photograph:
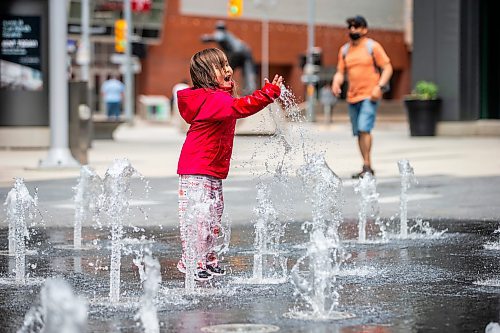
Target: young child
[211,110]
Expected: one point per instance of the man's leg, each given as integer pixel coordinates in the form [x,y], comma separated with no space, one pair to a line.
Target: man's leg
[117,110]
[109,109]
[366,122]
[365,147]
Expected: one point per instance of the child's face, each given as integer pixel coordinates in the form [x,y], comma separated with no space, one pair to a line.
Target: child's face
[225,77]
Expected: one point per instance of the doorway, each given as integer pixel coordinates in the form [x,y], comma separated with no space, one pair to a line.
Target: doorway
[489,64]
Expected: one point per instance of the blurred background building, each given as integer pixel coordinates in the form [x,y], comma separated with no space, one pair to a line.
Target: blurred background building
[455,46]
[447,41]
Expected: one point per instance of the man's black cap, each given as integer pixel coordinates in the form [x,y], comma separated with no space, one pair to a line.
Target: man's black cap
[357,21]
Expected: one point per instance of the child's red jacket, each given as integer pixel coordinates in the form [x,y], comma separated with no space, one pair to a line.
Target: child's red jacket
[212,114]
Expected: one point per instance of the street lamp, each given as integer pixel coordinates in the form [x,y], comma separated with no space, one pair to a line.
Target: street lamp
[266,6]
[129,79]
[59,155]
[309,64]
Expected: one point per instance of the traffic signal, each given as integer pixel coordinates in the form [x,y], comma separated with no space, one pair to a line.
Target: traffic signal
[120,35]
[234,8]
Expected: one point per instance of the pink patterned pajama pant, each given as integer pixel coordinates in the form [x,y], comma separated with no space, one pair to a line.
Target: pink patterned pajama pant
[208,191]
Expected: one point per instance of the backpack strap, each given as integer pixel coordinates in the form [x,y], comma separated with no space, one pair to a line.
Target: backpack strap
[369,47]
[345,49]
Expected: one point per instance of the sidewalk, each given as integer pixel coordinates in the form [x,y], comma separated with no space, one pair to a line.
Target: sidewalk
[459,178]
[153,149]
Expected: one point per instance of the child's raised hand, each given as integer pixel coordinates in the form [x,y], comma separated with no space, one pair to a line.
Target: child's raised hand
[277,80]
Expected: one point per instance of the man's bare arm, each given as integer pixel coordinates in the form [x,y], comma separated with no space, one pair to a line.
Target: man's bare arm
[386,74]
[338,80]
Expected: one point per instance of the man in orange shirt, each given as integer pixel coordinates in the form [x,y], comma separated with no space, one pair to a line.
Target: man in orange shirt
[368,69]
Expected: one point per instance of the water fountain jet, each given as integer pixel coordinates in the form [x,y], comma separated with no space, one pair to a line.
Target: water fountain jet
[151,279]
[315,274]
[87,194]
[268,235]
[368,201]
[20,208]
[60,311]
[116,201]
[407,179]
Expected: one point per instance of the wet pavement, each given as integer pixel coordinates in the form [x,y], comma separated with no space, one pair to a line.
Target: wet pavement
[423,284]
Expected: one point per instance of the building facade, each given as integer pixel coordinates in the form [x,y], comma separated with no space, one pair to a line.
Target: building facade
[187,20]
[454,47]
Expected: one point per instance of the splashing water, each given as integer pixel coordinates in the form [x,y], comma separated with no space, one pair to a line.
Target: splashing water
[314,277]
[314,274]
[269,230]
[87,194]
[366,187]
[115,204]
[295,132]
[224,237]
[407,179]
[199,208]
[290,105]
[149,273]
[60,310]
[494,245]
[423,229]
[268,235]
[21,208]
[324,192]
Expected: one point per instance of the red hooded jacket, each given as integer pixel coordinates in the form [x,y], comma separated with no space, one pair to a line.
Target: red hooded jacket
[212,114]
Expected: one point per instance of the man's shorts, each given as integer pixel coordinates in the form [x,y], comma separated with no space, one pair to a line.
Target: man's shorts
[363,116]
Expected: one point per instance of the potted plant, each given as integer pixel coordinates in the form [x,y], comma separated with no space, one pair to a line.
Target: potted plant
[423,106]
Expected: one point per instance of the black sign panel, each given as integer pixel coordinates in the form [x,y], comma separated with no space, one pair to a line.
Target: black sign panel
[20,53]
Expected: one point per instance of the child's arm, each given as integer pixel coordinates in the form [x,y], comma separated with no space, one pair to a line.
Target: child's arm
[223,106]
[248,105]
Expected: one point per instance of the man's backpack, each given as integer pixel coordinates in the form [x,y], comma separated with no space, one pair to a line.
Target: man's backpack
[369,47]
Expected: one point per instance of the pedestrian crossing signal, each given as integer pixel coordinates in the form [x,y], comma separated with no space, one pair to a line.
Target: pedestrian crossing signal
[120,36]
[234,8]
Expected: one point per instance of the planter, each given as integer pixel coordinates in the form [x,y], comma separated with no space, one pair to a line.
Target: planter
[423,116]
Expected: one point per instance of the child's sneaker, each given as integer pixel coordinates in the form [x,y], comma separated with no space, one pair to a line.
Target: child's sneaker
[199,275]
[216,270]
[202,275]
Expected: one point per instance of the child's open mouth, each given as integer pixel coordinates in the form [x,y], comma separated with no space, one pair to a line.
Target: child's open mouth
[227,78]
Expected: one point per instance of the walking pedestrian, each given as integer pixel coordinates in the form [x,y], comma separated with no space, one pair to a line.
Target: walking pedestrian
[112,91]
[367,68]
[328,100]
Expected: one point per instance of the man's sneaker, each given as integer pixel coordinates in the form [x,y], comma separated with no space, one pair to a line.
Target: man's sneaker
[202,275]
[216,270]
[365,169]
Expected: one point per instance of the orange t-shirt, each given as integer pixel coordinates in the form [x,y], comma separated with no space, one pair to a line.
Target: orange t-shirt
[361,72]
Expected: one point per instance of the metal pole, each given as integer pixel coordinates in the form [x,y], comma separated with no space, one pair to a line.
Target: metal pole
[265,47]
[85,39]
[85,66]
[59,154]
[310,45]
[266,6]
[129,79]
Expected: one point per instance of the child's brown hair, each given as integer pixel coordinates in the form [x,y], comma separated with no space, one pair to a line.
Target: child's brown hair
[201,67]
